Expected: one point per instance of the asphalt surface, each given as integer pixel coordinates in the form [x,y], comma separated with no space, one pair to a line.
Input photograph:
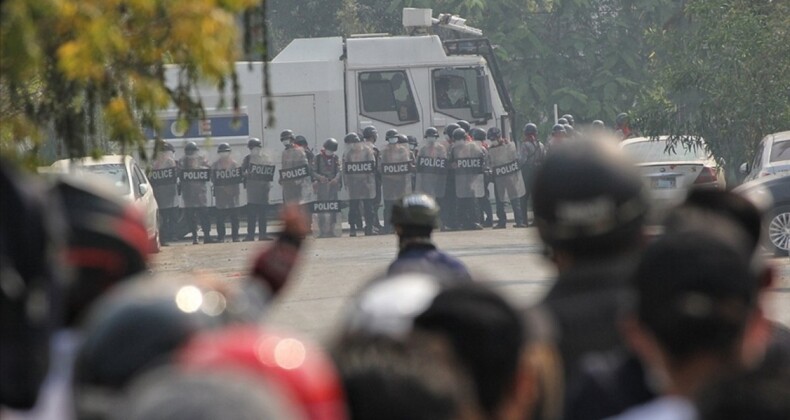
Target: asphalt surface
[332,270]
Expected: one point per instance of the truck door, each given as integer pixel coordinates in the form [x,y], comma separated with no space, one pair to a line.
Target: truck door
[387,100]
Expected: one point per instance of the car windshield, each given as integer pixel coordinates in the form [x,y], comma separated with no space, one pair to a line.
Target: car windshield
[780,151]
[113,172]
[656,151]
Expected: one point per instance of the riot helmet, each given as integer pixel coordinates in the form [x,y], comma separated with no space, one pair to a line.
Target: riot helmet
[190,147]
[431,132]
[370,132]
[301,141]
[448,131]
[562,121]
[413,143]
[558,129]
[494,133]
[459,134]
[598,124]
[223,147]
[621,120]
[330,144]
[165,146]
[254,142]
[569,118]
[465,125]
[391,136]
[416,210]
[569,129]
[589,200]
[351,138]
[478,134]
[287,135]
[402,139]
[530,129]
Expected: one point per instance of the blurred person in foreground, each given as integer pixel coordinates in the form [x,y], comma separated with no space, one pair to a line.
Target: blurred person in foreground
[695,319]
[414,218]
[484,333]
[589,208]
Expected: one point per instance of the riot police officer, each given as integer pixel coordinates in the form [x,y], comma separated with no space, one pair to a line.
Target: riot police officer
[413,146]
[359,177]
[295,175]
[485,216]
[370,135]
[448,209]
[227,178]
[258,168]
[195,175]
[506,174]
[558,135]
[301,141]
[623,127]
[531,153]
[164,180]
[395,169]
[569,119]
[468,167]
[431,168]
[326,168]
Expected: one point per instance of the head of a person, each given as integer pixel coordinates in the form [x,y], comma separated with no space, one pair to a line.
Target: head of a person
[431,134]
[351,138]
[488,338]
[223,151]
[531,131]
[459,135]
[558,131]
[465,125]
[449,129]
[622,121]
[370,134]
[391,136]
[330,146]
[415,216]
[165,149]
[568,118]
[107,242]
[287,138]
[190,148]
[478,134]
[695,299]
[255,145]
[495,135]
[301,141]
[589,203]
[415,377]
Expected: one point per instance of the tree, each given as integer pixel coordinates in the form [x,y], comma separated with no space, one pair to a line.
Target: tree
[721,70]
[90,70]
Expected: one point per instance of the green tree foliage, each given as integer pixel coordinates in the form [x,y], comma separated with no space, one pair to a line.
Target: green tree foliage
[86,71]
[721,70]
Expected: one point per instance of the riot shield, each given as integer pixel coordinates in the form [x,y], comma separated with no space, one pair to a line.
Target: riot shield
[468,168]
[226,176]
[395,168]
[195,175]
[359,171]
[504,165]
[164,180]
[258,174]
[432,170]
[295,177]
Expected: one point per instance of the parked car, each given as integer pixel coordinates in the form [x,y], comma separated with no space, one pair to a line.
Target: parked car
[773,193]
[772,157]
[129,180]
[670,172]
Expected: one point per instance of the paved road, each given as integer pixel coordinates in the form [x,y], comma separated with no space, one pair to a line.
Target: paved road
[333,269]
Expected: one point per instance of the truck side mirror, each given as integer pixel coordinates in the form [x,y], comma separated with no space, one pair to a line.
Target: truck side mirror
[744,169]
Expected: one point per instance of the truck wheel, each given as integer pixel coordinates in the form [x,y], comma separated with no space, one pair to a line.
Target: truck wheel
[778,234]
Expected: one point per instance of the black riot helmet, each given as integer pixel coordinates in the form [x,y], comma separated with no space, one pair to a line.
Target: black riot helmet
[390,133]
[223,147]
[589,200]
[459,134]
[190,147]
[287,135]
[558,128]
[402,139]
[369,132]
[621,120]
[530,129]
[351,138]
[301,141]
[418,210]
[254,142]
[494,133]
[478,134]
[562,121]
[431,132]
[598,124]
[448,131]
[413,143]
[330,144]
[465,125]
[569,118]
[165,146]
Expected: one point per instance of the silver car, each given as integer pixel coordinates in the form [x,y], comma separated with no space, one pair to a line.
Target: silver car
[670,173]
[772,157]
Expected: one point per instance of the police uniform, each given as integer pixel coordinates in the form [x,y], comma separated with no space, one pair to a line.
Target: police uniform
[326,169]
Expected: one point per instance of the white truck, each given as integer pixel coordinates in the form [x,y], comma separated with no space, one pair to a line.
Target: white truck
[327,87]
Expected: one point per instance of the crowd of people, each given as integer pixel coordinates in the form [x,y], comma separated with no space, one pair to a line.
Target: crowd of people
[669,326]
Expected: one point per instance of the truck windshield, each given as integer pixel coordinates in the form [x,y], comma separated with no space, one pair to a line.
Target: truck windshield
[459,93]
[386,96]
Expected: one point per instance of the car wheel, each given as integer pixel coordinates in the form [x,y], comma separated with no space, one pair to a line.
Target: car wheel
[779,231]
